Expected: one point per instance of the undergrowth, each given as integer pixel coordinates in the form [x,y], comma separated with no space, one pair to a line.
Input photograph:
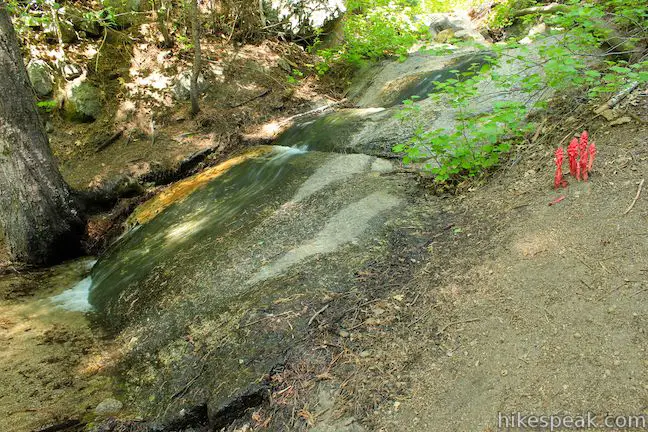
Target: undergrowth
[374,29]
[567,58]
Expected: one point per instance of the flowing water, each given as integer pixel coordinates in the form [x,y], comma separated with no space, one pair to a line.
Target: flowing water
[271,231]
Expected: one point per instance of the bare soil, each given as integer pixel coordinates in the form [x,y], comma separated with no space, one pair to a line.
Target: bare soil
[529,307]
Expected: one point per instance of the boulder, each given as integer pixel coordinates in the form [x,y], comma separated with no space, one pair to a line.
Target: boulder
[68,34]
[41,76]
[441,25]
[125,10]
[303,17]
[77,19]
[82,101]
[444,36]
[182,85]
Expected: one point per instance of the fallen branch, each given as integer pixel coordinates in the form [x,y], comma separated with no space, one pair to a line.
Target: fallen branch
[634,201]
[260,95]
[114,137]
[445,327]
[550,8]
[266,318]
[310,321]
[617,98]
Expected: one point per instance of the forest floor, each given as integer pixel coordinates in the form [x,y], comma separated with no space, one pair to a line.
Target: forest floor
[530,307]
[517,306]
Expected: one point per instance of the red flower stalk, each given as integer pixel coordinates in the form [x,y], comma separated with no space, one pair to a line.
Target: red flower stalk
[558,178]
[583,154]
[572,152]
[592,154]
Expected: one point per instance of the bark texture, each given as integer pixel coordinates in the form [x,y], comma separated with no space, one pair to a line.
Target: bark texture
[38,214]
[195,26]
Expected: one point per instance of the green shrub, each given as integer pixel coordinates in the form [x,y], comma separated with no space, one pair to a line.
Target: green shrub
[374,29]
[481,139]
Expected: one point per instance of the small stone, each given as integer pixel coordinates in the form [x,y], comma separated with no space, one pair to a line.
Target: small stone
[577,335]
[620,121]
[71,71]
[344,333]
[108,406]
[608,114]
[365,354]
[182,85]
[444,36]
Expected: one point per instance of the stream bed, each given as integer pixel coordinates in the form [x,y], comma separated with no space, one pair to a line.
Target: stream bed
[219,278]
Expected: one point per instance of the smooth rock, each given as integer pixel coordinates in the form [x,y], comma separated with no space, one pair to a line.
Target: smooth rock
[41,77]
[108,407]
[444,36]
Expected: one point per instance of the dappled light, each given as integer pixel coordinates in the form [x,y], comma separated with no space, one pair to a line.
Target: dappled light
[322,215]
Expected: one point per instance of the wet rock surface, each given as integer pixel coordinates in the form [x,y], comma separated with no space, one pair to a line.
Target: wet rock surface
[217,284]
[374,127]
[193,292]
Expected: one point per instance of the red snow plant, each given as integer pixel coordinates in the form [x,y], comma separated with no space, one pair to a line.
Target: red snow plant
[581,156]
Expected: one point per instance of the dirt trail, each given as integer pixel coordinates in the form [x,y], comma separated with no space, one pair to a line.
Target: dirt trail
[534,308]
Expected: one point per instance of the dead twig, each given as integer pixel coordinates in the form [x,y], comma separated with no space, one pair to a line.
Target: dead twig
[634,201]
[266,318]
[445,327]
[260,95]
[114,137]
[618,97]
[310,321]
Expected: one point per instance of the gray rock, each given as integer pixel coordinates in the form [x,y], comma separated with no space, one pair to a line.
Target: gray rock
[182,85]
[457,25]
[108,407]
[82,101]
[41,76]
[469,35]
[68,34]
[71,71]
[443,21]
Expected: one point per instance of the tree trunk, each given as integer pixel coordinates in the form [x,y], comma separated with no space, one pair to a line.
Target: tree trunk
[195,27]
[38,215]
[162,14]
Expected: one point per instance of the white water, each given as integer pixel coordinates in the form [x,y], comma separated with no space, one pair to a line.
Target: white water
[76,298]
